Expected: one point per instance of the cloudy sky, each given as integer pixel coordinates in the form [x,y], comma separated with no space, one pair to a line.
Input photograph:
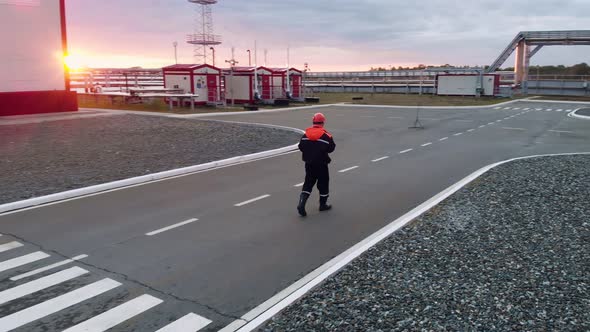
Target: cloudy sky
[329,35]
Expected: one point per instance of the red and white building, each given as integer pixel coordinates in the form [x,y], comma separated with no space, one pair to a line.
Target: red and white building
[202,80]
[33,76]
[294,84]
[240,84]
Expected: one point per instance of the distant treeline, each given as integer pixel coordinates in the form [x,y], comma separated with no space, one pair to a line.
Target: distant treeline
[579,69]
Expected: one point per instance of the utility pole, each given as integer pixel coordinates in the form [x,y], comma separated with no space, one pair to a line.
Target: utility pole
[175,44]
[213,52]
[232,62]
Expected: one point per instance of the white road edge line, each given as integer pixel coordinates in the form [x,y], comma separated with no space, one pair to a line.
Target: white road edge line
[444,139]
[117,315]
[347,169]
[257,316]
[161,230]
[251,200]
[299,185]
[379,159]
[47,268]
[511,128]
[10,245]
[188,323]
[561,131]
[405,151]
[427,144]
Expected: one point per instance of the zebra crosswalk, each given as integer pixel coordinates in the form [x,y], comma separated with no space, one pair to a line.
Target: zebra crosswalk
[49,291]
[534,109]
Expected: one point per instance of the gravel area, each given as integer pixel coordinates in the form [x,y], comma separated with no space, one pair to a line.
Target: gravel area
[44,158]
[509,252]
[584,111]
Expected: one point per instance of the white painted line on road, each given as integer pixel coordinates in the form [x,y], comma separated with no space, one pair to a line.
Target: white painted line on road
[458,134]
[348,169]
[22,260]
[497,108]
[40,284]
[538,109]
[189,323]
[252,200]
[568,110]
[511,128]
[117,315]
[427,144]
[265,311]
[549,110]
[56,304]
[498,120]
[299,185]
[559,110]
[481,126]
[47,268]
[516,108]
[158,231]
[395,117]
[430,119]
[405,151]
[507,108]
[470,130]
[444,139]
[490,123]
[379,159]
[10,245]
[506,118]
[526,109]
[561,131]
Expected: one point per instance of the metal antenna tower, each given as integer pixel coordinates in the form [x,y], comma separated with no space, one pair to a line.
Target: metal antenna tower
[203,37]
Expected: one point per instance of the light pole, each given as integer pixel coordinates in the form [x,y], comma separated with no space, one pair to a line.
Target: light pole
[213,50]
[249,58]
[175,44]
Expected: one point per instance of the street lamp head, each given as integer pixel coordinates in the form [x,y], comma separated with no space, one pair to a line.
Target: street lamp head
[175,44]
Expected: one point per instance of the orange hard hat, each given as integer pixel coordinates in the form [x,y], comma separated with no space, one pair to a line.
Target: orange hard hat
[319,118]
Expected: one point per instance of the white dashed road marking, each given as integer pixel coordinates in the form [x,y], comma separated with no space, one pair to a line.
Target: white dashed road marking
[405,151]
[444,139]
[561,131]
[252,200]
[458,134]
[348,169]
[189,323]
[511,128]
[161,230]
[379,159]
[427,144]
[10,245]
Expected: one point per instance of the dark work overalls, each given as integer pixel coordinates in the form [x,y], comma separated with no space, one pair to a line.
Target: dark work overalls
[315,146]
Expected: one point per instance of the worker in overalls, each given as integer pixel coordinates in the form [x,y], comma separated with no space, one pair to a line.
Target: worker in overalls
[315,145]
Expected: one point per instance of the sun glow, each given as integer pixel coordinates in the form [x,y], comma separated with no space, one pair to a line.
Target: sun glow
[73,62]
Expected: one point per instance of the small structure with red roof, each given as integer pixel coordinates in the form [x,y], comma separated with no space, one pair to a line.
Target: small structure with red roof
[287,80]
[241,84]
[199,79]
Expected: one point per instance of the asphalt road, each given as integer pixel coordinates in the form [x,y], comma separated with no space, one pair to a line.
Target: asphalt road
[235,257]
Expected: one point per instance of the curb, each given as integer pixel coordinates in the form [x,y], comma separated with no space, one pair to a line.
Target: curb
[35,202]
[265,311]
[437,107]
[561,102]
[578,116]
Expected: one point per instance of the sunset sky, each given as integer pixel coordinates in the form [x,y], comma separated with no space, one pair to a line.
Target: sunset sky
[329,35]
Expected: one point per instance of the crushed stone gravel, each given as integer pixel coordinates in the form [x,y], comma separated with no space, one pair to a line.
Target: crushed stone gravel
[508,252]
[38,159]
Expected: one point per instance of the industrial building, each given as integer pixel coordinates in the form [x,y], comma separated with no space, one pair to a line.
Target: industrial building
[33,76]
[202,80]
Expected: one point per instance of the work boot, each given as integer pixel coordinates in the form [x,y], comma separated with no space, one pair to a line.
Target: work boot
[301,207]
[324,206]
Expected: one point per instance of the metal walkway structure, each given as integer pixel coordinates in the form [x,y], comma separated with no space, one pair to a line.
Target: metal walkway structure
[525,40]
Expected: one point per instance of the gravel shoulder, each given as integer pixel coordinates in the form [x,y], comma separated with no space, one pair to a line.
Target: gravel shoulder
[49,157]
[510,251]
